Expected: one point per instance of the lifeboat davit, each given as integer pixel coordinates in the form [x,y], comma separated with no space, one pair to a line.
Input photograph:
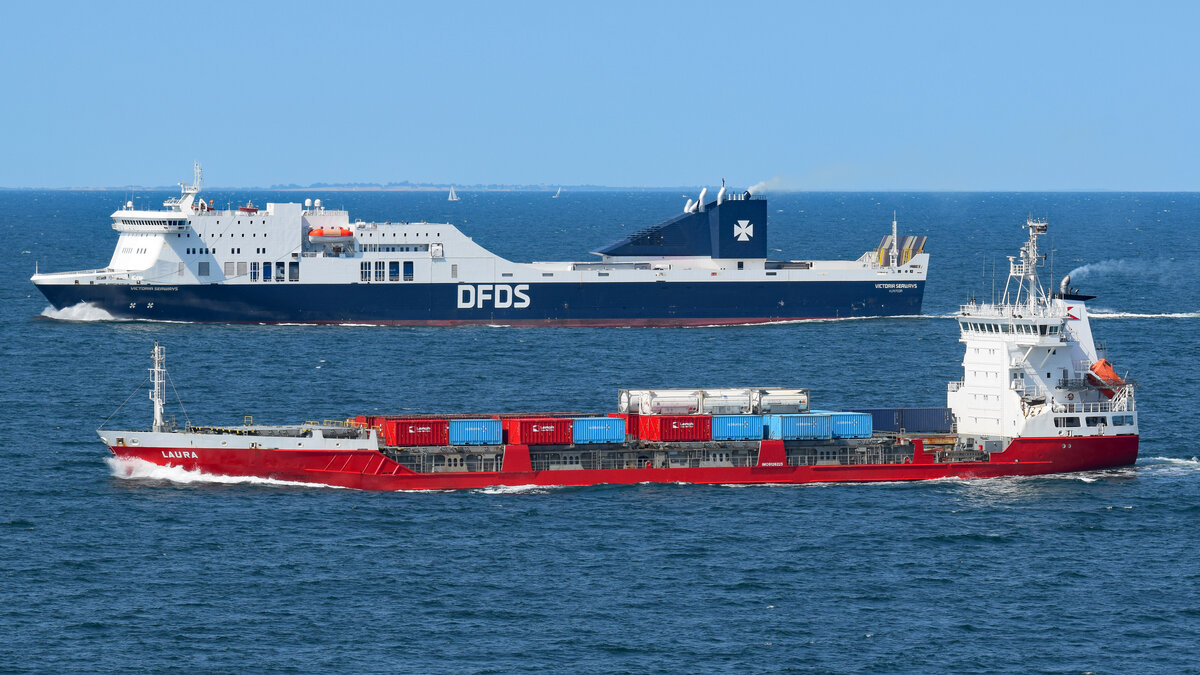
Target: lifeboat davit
[330,235]
[1102,373]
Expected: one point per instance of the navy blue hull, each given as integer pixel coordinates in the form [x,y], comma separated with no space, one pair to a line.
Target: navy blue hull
[597,304]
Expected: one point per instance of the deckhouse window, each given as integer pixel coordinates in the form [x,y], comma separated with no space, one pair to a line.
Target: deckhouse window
[253,271]
[364,271]
[408,270]
[394,270]
[1066,422]
[1096,421]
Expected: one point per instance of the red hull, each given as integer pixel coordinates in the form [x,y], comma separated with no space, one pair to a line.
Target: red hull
[370,470]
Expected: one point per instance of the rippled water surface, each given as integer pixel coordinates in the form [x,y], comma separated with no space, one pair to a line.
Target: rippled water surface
[163,569]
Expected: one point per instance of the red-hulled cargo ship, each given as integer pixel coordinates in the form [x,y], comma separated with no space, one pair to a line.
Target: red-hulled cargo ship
[1037,397]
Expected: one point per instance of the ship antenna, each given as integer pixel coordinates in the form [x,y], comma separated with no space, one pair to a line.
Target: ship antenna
[158,388]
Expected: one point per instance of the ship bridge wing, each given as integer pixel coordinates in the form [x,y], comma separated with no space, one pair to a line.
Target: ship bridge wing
[735,228]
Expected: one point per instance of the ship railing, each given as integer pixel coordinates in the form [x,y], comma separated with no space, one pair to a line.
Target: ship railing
[1001,311]
[952,387]
[1121,402]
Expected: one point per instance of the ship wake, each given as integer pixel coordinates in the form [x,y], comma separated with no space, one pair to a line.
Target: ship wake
[84,311]
[140,470]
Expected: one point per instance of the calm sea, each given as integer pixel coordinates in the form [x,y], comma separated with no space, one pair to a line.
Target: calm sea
[1092,572]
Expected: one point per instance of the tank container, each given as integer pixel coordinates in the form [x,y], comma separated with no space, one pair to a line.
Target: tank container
[800,426]
[538,430]
[726,401]
[776,400]
[469,431]
[630,400]
[598,430]
[675,427]
[671,402]
[737,427]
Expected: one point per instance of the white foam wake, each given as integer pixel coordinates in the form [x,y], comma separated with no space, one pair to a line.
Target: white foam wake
[518,489]
[1102,314]
[84,311]
[138,469]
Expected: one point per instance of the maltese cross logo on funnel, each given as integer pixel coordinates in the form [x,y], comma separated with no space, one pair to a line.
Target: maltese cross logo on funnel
[743,230]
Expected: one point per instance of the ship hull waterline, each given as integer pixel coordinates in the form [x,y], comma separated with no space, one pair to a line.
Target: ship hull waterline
[615,304]
[372,470]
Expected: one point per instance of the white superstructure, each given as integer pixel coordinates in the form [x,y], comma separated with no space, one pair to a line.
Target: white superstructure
[1031,367]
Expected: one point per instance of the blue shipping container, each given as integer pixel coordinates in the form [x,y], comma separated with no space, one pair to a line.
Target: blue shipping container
[806,426]
[884,419]
[598,430]
[851,425]
[476,432]
[737,427]
[927,420]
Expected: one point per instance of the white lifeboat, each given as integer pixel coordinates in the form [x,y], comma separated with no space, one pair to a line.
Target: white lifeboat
[330,235]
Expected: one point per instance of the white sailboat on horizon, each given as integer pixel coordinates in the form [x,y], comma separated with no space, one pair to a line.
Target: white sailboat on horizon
[556,194]
[453,197]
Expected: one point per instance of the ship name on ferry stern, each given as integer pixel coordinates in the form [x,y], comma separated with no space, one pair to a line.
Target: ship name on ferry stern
[500,296]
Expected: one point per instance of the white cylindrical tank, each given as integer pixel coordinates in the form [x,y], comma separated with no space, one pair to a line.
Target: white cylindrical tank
[778,400]
[671,402]
[727,402]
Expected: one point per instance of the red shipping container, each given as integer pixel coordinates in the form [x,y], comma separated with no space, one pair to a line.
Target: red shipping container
[416,431]
[538,430]
[675,427]
[631,422]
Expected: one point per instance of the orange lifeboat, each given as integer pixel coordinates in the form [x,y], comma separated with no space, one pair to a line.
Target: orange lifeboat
[1102,373]
[330,235]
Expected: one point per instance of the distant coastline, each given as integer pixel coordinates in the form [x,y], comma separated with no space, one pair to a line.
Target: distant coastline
[357,187]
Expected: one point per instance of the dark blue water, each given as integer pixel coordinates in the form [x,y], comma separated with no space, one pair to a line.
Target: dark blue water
[1091,572]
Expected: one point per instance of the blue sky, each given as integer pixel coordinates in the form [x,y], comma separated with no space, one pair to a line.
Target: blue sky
[813,96]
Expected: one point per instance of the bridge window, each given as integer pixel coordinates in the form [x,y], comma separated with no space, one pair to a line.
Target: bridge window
[408,270]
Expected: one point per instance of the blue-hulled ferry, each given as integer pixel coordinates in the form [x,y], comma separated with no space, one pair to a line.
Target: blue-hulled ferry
[304,263]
